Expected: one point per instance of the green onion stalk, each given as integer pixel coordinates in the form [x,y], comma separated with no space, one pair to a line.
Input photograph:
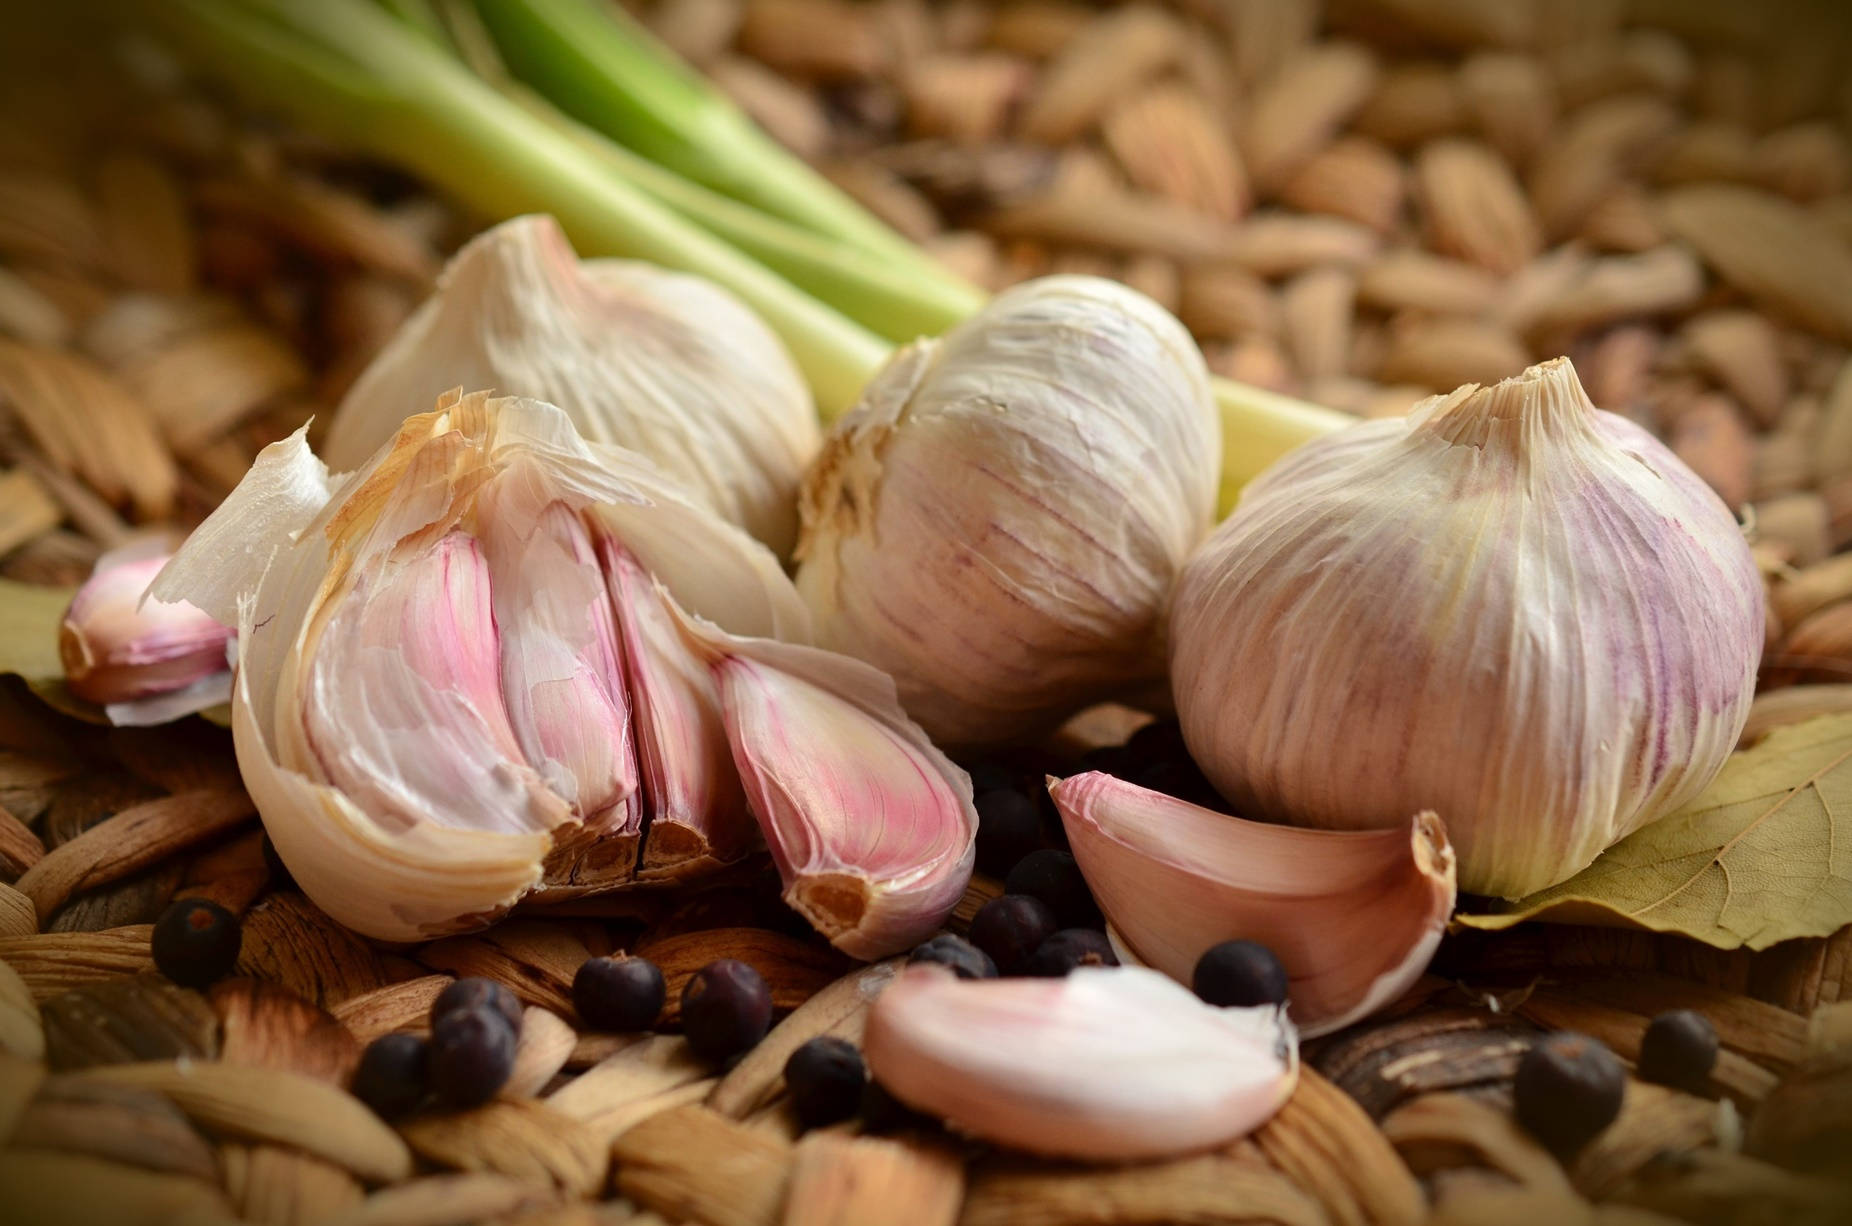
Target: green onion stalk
[651,165]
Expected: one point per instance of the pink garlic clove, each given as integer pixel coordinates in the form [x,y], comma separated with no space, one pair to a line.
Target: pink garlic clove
[1354,916]
[118,648]
[1108,1063]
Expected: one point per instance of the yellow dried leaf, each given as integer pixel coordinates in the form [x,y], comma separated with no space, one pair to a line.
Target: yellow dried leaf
[1759,857]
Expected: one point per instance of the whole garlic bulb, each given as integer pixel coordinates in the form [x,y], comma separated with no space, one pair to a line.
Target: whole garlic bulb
[1511,608]
[666,364]
[999,522]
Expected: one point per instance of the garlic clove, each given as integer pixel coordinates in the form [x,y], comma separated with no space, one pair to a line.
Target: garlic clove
[119,649]
[1354,916]
[999,522]
[667,364]
[1511,608]
[1108,1063]
[698,816]
[872,828]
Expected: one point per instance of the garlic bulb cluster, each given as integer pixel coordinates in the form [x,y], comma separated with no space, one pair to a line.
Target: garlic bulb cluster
[1511,608]
[497,660]
[663,363]
[999,522]
[144,661]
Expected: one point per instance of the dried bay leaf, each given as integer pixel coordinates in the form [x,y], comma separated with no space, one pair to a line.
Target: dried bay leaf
[1760,856]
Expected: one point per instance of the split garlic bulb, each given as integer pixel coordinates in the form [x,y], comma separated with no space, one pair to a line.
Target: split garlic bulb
[1511,608]
[666,364]
[999,523]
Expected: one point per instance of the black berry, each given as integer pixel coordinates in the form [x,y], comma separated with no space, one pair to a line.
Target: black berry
[990,777]
[966,960]
[1240,973]
[1068,950]
[726,1008]
[1568,1088]
[196,942]
[1012,928]
[392,1077]
[1180,778]
[618,993]
[1054,877]
[882,1112]
[1160,740]
[1680,1049]
[471,993]
[825,1078]
[1119,760]
[472,1054]
[1009,827]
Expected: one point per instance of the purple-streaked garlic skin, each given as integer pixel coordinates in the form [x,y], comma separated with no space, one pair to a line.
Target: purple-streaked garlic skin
[1510,608]
[1354,916]
[118,648]
[1105,1064]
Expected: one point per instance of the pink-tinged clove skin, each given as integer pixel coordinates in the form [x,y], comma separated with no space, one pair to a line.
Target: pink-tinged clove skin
[1354,916]
[872,828]
[1108,1064]
[698,816]
[116,648]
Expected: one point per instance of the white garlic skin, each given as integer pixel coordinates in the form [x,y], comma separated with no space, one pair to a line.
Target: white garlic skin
[999,522]
[1512,608]
[663,363]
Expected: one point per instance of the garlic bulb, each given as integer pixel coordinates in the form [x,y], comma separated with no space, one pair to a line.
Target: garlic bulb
[1510,608]
[146,661]
[1108,1063]
[999,522]
[666,364]
[1355,916]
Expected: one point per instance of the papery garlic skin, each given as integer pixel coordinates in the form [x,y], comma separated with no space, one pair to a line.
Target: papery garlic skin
[1354,916]
[1510,608]
[372,715]
[663,363]
[999,522]
[121,651]
[1108,1063]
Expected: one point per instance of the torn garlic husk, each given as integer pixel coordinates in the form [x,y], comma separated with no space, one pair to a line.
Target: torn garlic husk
[432,708]
[145,660]
[872,828]
[1108,1063]
[1511,608]
[666,364]
[1354,916]
[999,522]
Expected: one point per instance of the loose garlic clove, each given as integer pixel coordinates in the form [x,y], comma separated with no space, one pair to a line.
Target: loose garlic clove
[666,364]
[698,813]
[1108,1063]
[1354,916]
[1511,608]
[138,656]
[873,830]
[999,522]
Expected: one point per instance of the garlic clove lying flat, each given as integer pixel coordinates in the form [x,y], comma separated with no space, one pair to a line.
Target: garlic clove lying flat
[1108,1063]
[1354,916]
[118,649]
[872,828]
[698,816]
[666,364]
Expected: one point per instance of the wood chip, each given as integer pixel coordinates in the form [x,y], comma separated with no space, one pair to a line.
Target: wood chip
[88,424]
[53,1189]
[53,962]
[1621,287]
[1625,220]
[46,217]
[1474,206]
[21,1031]
[1593,151]
[1513,100]
[534,960]
[284,1187]
[1325,1142]
[546,1043]
[265,1026]
[1772,250]
[18,917]
[1742,351]
[858,1181]
[1793,704]
[825,39]
[1408,278]
[1111,57]
[20,1079]
[1173,145]
[1806,162]
[525,1140]
[117,1124]
[327,220]
[445,1200]
[27,314]
[397,1006]
[1655,1125]
[270,1105]
[145,223]
[694,1163]
[1445,353]
[1302,106]
[794,969]
[1155,277]
[1227,302]
[1798,593]
[1449,1130]
[1413,102]
[1206,1191]
[1798,524]
[1282,244]
[136,837]
[841,1010]
[122,1020]
[1649,61]
[20,848]
[290,942]
[696,30]
[606,1096]
[26,510]
[205,383]
[967,99]
[1714,439]
[1316,308]
[1355,178]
